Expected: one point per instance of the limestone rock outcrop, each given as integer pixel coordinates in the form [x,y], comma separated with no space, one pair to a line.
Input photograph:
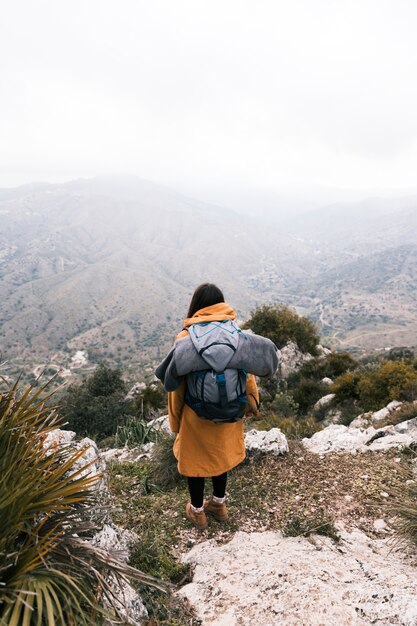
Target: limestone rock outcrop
[291,359]
[267,579]
[259,442]
[338,438]
[365,419]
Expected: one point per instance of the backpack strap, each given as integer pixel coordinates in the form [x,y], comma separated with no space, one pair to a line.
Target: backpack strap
[221,383]
[256,402]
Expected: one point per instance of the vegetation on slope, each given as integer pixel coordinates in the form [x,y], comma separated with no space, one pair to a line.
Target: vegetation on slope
[49,572]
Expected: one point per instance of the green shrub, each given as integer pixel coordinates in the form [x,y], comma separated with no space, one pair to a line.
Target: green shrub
[345,387]
[50,574]
[307,392]
[284,405]
[105,382]
[320,525]
[97,406]
[281,324]
[294,427]
[393,380]
[330,366]
[151,401]
[349,409]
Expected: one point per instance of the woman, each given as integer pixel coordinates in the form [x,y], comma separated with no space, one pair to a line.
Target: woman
[203,448]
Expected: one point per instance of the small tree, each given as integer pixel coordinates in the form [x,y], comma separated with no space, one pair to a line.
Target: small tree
[97,406]
[281,324]
[393,380]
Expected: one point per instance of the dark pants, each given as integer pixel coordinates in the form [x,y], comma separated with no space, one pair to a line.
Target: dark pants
[196,488]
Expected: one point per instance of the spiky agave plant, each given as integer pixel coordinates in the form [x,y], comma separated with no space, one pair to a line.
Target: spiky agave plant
[49,573]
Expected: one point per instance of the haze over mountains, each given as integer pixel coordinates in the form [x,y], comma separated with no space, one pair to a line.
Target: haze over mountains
[109,264]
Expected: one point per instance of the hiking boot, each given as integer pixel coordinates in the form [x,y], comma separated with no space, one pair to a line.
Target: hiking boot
[217,509]
[198,519]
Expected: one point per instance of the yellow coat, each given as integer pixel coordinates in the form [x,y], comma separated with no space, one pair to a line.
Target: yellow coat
[203,448]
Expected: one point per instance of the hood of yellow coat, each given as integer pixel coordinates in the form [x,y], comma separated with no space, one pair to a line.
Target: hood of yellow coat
[213,313]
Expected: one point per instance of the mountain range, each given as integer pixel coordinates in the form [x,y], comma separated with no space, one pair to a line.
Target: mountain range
[108,265]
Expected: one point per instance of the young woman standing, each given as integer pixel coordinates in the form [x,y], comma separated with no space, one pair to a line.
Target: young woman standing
[205,449]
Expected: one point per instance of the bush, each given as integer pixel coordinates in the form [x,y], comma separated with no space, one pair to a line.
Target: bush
[49,573]
[393,380]
[284,405]
[349,409]
[292,427]
[307,392]
[151,401]
[105,382]
[96,407]
[331,366]
[345,387]
[281,324]
[376,386]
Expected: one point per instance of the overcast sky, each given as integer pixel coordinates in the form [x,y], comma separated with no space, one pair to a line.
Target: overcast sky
[263,93]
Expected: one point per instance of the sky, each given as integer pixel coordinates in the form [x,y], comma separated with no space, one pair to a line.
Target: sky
[266,95]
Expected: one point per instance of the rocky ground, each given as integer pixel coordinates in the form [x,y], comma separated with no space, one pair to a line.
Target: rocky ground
[266,578]
[309,541]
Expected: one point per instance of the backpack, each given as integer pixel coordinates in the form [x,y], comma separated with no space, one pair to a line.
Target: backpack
[217,393]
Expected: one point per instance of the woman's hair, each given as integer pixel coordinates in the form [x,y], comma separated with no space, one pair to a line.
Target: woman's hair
[205,295]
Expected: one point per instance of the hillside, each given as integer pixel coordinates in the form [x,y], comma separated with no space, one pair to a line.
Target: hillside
[108,265]
[370,301]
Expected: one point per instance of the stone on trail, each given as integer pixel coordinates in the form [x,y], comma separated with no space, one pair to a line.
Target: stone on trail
[126,454]
[267,579]
[324,402]
[259,442]
[339,438]
[366,419]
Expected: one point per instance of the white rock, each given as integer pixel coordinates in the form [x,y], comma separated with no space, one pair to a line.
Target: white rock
[267,580]
[291,359]
[323,351]
[326,381]
[265,441]
[380,415]
[367,419]
[380,526]
[161,424]
[324,401]
[361,421]
[91,457]
[80,359]
[120,541]
[114,538]
[338,438]
[135,391]
[126,454]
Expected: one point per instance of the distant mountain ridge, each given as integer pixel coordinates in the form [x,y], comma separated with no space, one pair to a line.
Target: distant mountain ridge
[109,265]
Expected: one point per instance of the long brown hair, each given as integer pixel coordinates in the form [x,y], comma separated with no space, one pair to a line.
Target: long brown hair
[205,295]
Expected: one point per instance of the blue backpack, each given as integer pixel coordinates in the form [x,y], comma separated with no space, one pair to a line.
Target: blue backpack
[217,393]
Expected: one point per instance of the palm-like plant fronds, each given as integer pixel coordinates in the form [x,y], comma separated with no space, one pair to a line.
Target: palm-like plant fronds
[49,573]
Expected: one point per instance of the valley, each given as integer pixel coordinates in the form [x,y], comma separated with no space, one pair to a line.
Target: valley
[108,265]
